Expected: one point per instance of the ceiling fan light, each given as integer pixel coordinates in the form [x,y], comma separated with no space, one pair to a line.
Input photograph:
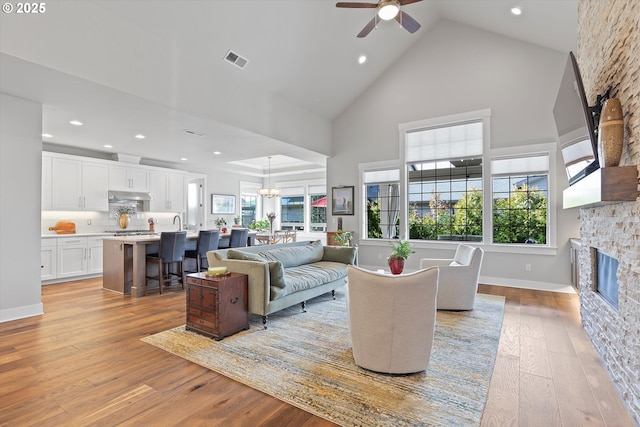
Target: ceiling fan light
[388,10]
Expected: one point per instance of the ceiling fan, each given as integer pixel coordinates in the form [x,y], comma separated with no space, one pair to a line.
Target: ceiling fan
[386,10]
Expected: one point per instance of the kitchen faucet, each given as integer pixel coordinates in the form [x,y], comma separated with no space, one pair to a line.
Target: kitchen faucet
[179,222]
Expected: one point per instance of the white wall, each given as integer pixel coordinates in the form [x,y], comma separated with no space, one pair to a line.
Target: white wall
[455,69]
[20,189]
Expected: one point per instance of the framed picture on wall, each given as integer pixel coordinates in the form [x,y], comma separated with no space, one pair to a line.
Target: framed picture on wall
[223,204]
[342,200]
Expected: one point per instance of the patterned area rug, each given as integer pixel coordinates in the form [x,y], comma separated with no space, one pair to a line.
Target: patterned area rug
[305,359]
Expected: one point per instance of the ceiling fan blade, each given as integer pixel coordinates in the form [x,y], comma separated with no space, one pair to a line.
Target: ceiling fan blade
[357,5]
[406,2]
[407,22]
[368,28]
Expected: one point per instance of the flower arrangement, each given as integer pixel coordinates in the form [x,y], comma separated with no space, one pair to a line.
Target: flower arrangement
[124,210]
[220,222]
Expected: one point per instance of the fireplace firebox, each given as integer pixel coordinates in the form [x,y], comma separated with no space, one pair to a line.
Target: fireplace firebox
[605,280]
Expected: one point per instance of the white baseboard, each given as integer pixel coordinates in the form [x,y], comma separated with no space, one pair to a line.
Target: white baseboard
[512,283]
[21,312]
[527,284]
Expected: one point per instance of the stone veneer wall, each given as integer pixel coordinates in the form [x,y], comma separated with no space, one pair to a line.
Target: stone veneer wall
[609,56]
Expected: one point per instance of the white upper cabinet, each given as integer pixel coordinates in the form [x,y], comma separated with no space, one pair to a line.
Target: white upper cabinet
[95,177]
[128,178]
[168,190]
[78,185]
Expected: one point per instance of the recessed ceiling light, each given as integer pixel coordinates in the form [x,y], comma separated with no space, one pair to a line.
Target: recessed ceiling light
[516,10]
[46,135]
[76,122]
[217,153]
[183,159]
[108,146]
[140,136]
[362,59]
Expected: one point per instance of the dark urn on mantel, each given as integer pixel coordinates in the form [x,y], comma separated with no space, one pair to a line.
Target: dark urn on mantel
[611,133]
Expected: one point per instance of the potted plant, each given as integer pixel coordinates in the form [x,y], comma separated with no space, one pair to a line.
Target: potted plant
[221,224]
[343,238]
[236,221]
[260,224]
[400,251]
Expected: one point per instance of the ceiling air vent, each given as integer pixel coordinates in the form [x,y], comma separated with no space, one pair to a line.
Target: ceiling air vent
[192,132]
[236,59]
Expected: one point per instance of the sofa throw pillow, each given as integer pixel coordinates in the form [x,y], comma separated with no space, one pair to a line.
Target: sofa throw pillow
[343,254]
[235,254]
[294,256]
[276,270]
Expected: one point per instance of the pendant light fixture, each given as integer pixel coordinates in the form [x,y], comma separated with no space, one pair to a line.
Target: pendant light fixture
[269,192]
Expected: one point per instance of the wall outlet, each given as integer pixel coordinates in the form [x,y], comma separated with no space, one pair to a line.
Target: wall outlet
[527,267]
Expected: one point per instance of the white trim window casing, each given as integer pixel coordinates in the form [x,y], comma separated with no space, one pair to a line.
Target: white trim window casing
[381,187]
[444,177]
[522,189]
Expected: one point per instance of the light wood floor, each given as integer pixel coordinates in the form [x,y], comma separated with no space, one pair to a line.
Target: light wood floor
[82,363]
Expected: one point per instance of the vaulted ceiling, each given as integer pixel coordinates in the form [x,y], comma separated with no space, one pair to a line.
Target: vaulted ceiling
[157,68]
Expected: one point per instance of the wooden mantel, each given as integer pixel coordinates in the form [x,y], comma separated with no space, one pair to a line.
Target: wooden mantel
[606,185]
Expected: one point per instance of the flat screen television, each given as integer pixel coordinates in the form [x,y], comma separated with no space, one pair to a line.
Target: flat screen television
[577,124]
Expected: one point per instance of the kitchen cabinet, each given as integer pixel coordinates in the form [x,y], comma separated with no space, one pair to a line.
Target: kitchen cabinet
[79,256]
[46,183]
[78,185]
[72,257]
[167,189]
[94,255]
[48,252]
[128,178]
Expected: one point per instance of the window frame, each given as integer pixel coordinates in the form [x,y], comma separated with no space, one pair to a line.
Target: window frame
[484,116]
[524,150]
[365,168]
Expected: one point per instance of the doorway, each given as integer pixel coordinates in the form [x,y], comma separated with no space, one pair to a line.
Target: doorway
[195,204]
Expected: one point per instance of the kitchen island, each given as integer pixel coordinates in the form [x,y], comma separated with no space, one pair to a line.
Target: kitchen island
[125,260]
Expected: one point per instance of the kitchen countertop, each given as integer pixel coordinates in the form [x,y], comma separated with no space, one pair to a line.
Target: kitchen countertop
[50,236]
[132,240]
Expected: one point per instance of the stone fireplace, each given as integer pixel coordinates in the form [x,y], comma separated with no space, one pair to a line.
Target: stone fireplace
[609,56]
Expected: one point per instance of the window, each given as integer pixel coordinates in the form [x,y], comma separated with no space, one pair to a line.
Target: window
[382,188]
[444,181]
[520,196]
[318,221]
[249,203]
[292,212]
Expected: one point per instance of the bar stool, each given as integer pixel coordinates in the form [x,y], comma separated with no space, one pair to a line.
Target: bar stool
[170,253]
[238,238]
[207,241]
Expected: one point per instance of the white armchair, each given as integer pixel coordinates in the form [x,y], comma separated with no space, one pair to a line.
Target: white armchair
[458,282]
[392,319]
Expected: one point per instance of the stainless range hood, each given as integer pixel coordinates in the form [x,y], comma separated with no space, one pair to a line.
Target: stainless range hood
[140,200]
[128,196]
